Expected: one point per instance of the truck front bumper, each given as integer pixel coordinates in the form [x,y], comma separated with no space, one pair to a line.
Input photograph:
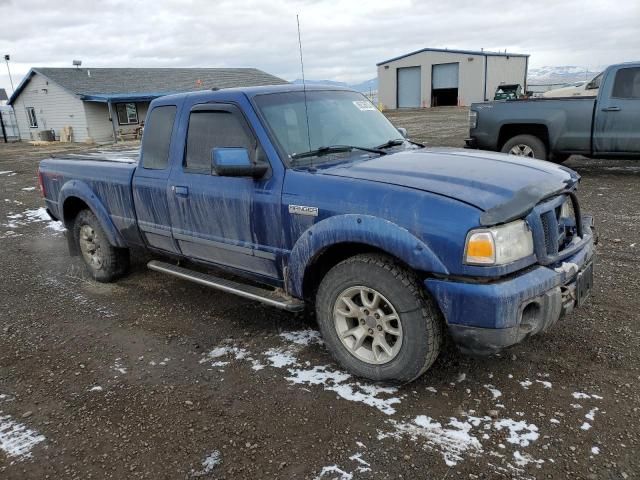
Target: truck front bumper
[484,318]
[471,143]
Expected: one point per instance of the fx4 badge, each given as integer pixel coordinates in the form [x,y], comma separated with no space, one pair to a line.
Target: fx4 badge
[303,210]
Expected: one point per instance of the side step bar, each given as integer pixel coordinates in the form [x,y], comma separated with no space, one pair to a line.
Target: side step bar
[270,297]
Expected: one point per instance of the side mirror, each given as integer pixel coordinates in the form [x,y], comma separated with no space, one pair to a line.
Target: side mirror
[403,132]
[235,162]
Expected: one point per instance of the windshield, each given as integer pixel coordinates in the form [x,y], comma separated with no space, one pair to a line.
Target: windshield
[336,118]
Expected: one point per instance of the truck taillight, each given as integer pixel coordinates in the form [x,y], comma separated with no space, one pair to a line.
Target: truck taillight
[473,119]
[41,183]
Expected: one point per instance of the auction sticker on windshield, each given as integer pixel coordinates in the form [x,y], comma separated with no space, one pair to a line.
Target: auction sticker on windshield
[364,105]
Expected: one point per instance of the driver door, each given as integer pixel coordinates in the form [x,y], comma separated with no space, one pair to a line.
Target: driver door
[223,220]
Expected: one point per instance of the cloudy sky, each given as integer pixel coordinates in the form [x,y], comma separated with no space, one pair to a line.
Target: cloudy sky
[342,40]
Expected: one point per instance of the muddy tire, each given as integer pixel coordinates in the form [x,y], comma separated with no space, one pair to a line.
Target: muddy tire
[377,320]
[525,146]
[104,262]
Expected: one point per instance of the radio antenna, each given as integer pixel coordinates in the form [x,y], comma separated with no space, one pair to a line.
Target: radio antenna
[304,85]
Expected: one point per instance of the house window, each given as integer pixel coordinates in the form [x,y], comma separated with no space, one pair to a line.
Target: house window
[31,115]
[127,113]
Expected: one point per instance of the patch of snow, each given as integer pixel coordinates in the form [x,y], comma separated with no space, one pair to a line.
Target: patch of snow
[96,388]
[364,465]
[210,462]
[34,215]
[238,352]
[544,383]
[256,365]
[575,405]
[591,414]
[461,377]
[117,366]
[585,426]
[303,337]
[494,391]
[29,189]
[4,172]
[452,440]
[16,440]
[335,381]
[524,459]
[554,420]
[279,358]
[582,395]
[526,384]
[520,432]
[219,364]
[595,450]
[334,469]
[431,389]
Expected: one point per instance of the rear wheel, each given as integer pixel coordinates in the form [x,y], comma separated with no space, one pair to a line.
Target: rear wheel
[377,320]
[104,262]
[525,146]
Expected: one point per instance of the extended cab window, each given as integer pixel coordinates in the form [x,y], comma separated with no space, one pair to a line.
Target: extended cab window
[211,129]
[627,83]
[157,137]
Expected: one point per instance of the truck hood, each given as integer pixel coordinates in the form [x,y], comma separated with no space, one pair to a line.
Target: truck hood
[504,186]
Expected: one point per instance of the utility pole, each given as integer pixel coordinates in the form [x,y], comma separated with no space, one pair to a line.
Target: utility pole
[7,57]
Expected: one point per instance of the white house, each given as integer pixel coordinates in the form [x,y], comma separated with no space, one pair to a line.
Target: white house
[434,77]
[103,104]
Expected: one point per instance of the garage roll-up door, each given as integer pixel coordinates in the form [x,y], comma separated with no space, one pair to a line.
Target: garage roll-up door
[445,75]
[409,87]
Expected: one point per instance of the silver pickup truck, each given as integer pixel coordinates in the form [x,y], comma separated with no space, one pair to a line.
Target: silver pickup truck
[603,126]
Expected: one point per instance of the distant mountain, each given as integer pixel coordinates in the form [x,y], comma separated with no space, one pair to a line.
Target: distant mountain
[365,87]
[561,74]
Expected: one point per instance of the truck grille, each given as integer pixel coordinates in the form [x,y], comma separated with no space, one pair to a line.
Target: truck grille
[559,227]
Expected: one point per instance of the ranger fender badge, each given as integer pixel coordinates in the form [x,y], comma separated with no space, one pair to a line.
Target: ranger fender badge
[303,210]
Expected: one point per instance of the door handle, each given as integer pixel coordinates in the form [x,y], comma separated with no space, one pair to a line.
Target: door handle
[611,109]
[180,190]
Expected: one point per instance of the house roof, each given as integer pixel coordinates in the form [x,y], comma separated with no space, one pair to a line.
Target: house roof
[484,53]
[139,84]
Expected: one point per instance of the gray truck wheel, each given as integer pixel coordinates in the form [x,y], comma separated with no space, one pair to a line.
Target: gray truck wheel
[525,146]
[377,320]
[104,262]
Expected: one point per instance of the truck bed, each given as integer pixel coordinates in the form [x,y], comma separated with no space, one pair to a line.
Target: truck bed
[107,179]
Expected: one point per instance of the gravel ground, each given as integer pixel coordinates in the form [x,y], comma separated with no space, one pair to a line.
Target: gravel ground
[153,377]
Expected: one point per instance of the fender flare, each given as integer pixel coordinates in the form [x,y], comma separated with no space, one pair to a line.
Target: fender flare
[82,191]
[364,229]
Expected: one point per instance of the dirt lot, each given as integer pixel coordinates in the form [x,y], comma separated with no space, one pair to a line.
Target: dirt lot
[153,377]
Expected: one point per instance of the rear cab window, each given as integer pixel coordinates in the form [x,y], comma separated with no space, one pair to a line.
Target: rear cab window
[157,137]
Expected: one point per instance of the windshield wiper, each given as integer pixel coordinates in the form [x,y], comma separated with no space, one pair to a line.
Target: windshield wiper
[394,142]
[318,152]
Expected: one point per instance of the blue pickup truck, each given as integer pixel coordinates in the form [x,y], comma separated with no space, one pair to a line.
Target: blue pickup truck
[311,197]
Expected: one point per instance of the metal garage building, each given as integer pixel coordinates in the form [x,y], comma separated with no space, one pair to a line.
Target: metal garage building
[434,77]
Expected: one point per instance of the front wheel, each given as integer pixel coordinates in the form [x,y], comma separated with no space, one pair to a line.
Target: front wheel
[525,146]
[104,262]
[377,320]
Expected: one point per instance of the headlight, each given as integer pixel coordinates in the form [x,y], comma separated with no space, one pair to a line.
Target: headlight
[566,211]
[473,119]
[499,245]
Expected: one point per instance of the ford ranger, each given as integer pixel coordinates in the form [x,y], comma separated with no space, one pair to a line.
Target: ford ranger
[294,197]
[602,126]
